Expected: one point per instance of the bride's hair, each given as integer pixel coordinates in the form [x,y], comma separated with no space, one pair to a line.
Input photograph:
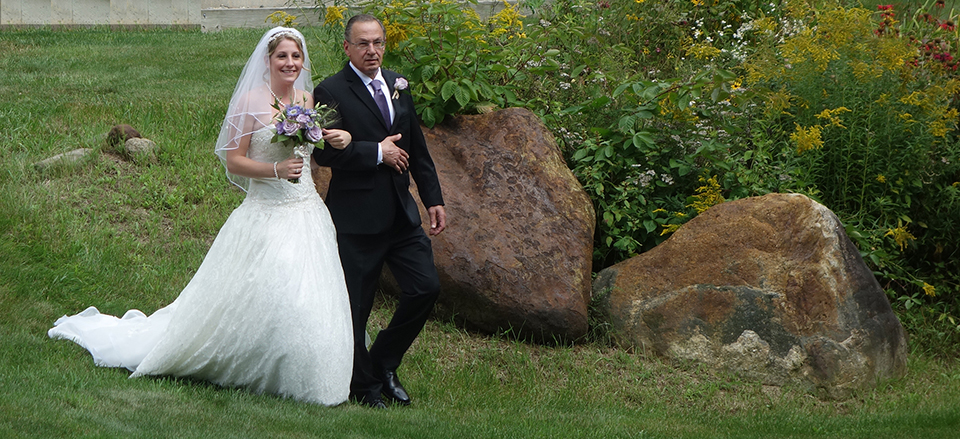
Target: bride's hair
[279,37]
[250,106]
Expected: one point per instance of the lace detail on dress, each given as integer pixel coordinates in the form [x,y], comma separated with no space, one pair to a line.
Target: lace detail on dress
[274,191]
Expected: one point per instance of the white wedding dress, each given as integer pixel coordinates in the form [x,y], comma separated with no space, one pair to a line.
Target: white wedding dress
[267,309]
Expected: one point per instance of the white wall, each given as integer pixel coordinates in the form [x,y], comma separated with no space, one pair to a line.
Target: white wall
[211,4]
[208,15]
[184,13]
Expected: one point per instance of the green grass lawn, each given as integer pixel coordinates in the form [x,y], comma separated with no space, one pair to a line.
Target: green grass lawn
[121,235]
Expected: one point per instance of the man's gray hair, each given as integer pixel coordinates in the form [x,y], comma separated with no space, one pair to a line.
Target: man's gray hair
[361,18]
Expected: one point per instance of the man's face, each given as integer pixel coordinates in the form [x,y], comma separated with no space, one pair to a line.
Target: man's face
[365,47]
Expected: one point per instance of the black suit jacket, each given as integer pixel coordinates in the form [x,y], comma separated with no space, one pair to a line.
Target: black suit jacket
[363,197]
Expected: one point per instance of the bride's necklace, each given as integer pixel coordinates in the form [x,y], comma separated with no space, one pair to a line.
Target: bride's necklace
[281,100]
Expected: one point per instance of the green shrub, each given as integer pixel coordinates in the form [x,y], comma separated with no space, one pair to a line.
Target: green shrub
[455,61]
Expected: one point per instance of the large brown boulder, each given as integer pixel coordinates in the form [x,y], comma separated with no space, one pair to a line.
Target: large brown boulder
[768,287]
[516,254]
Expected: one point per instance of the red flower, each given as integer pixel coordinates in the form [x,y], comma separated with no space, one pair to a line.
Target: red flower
[939,4]
[884,7]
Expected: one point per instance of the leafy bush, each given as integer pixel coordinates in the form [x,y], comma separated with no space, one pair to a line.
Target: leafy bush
[455,61]
[641,169]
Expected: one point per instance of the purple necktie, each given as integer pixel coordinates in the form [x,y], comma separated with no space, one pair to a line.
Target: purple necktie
[381,101]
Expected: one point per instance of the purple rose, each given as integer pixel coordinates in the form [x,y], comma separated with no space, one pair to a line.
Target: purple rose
[400,84]
[290,128]
[303,118]
[314,134]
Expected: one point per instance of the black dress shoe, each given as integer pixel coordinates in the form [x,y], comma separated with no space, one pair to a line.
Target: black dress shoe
[374,403]
[392,388]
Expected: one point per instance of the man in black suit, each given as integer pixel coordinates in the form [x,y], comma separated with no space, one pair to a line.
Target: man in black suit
[377,219]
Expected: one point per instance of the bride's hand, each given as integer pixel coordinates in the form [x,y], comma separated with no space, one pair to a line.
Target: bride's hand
[338,139]
[290,169]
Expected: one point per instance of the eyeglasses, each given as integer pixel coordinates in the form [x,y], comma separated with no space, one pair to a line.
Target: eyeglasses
[364,45]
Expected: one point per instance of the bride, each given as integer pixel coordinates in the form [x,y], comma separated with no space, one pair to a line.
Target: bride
[268,307]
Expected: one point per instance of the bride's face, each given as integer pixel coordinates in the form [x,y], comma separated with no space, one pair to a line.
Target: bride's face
[286,62]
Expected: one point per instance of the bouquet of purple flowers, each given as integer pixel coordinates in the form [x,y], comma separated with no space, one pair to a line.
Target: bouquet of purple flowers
[297,126]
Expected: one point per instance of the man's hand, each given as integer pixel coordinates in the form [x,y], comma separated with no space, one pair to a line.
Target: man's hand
[338,139]
[394,156]
[438,219]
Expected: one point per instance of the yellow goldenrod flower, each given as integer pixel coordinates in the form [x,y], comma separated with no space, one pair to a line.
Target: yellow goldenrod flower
[806,45]
[473,16]
[881,178]
[507,21]
[893,54]
[707,195]
[334,15]
[283,19]
[831,116]
[914,98]
[663,106]
[865,72]
[395,33]
[766,24]
[669,228]
[900,235]
[938,128]
[778,102]
[807,138]
[659,210]
[703,51]
[929,290]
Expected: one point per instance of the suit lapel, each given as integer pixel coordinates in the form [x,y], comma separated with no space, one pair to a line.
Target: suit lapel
[398,108]
[363,94]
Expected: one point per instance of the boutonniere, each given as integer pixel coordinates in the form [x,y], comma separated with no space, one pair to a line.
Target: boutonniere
[400,84]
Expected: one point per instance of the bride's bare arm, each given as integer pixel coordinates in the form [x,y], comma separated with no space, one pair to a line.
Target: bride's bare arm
[239,164]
